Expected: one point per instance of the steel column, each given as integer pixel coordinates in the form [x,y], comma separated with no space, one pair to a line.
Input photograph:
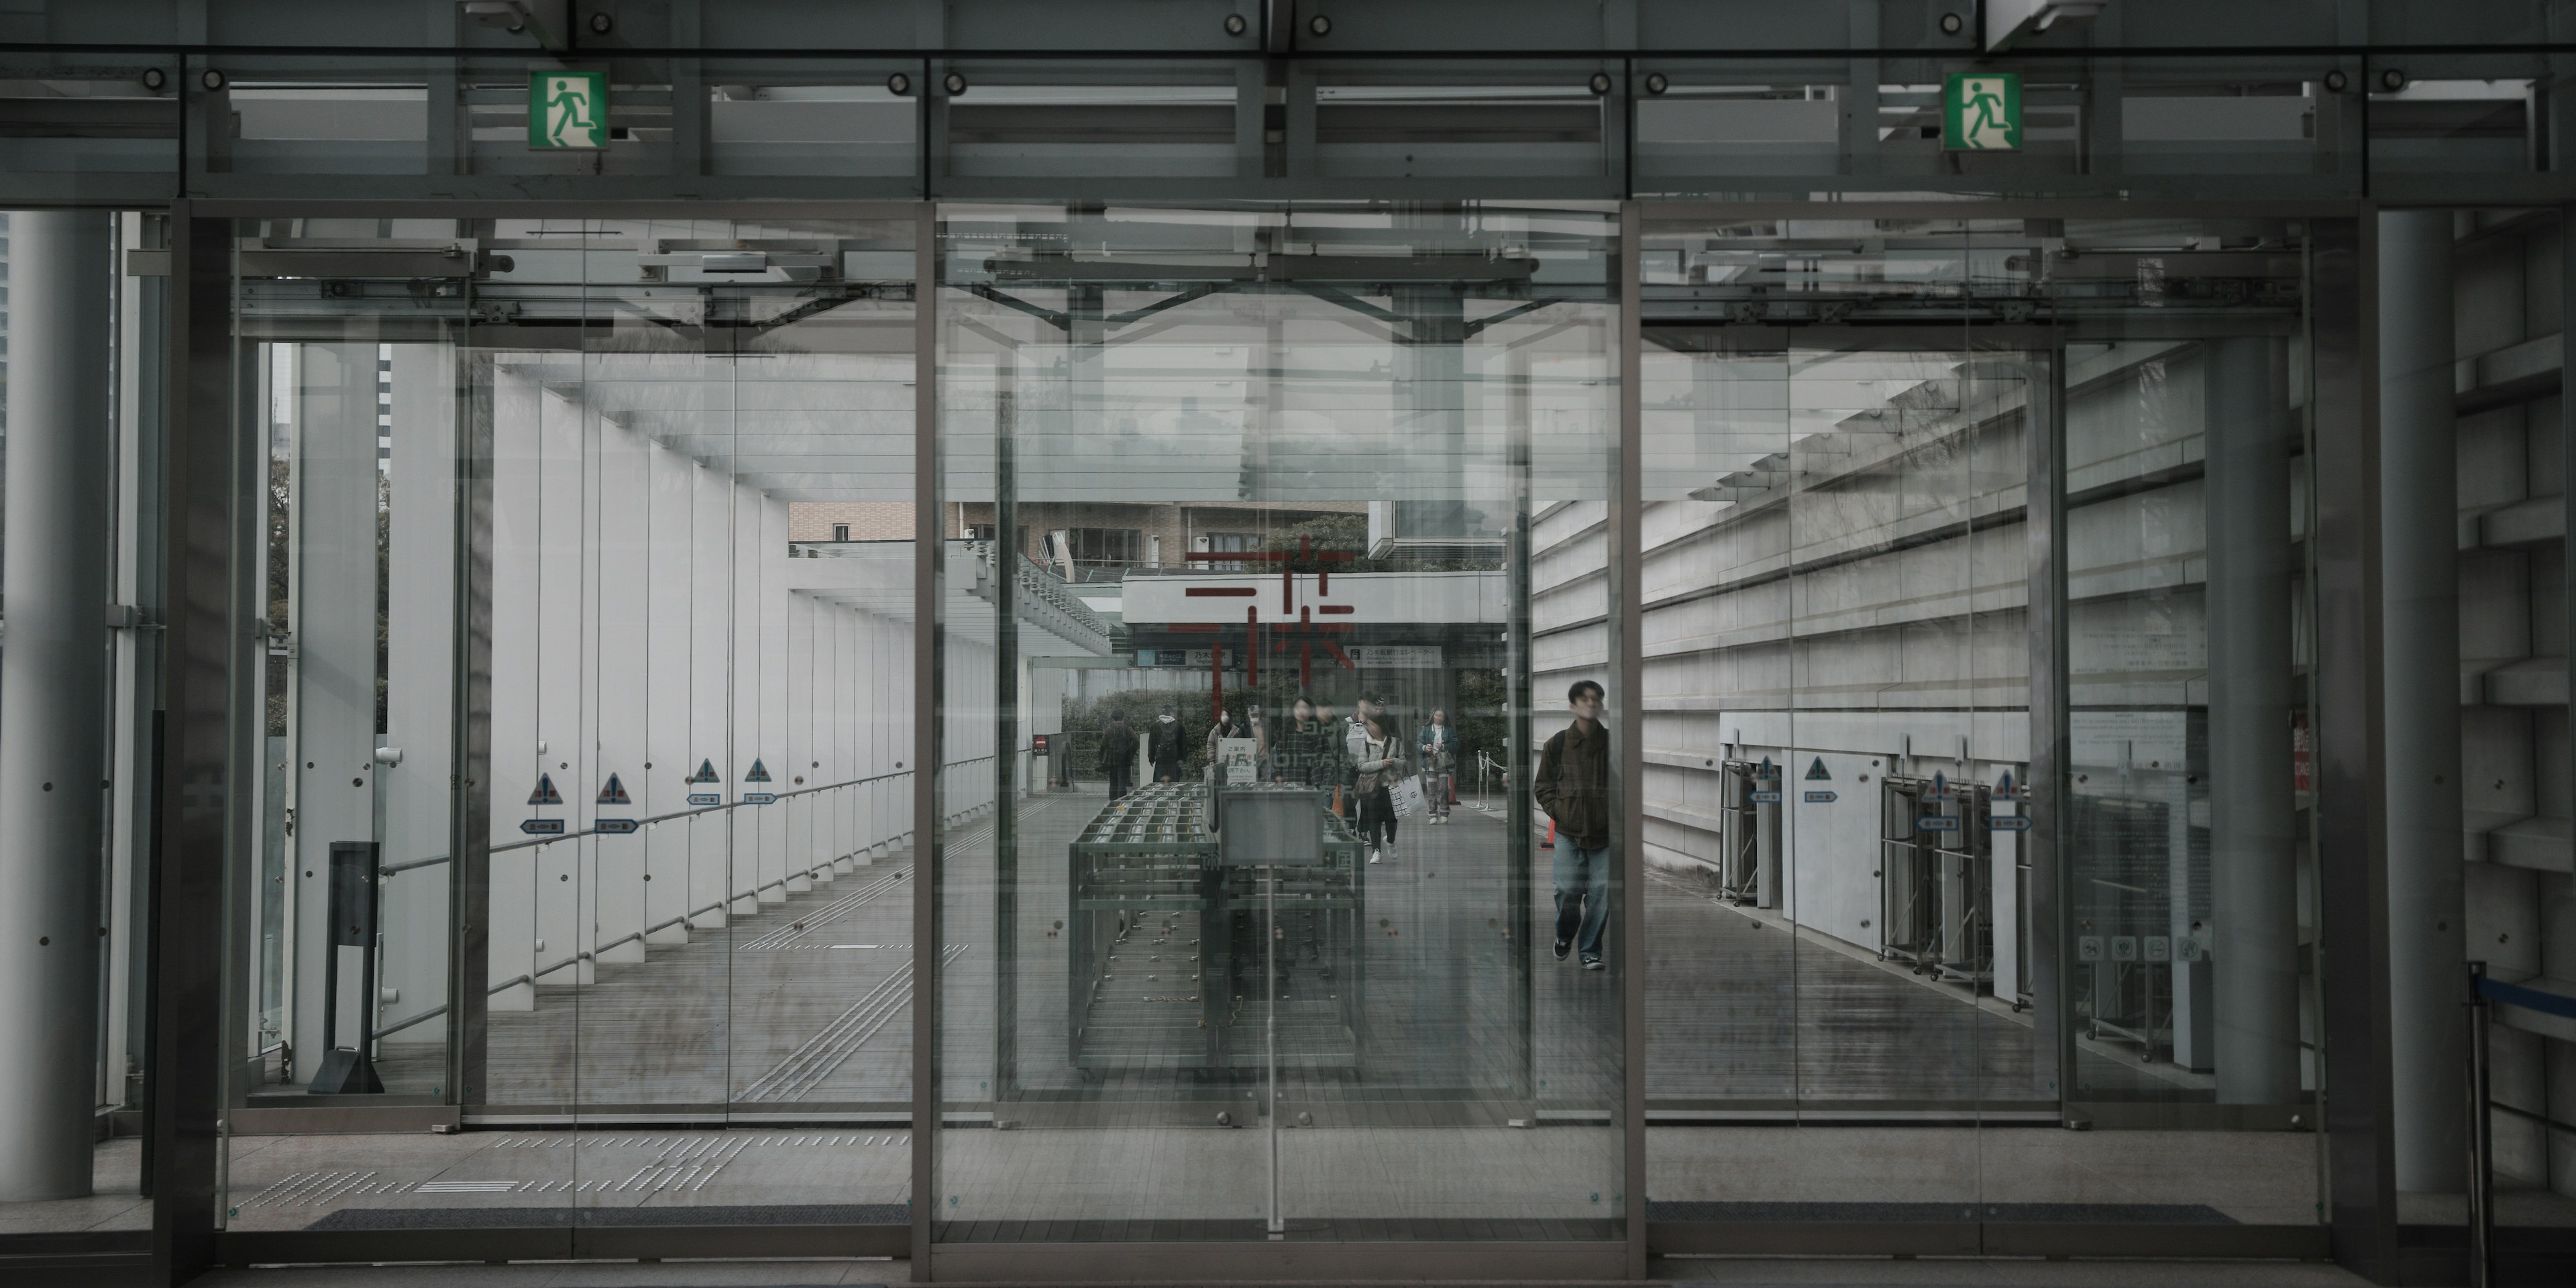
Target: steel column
[1628,769]
[929,877]
[203,660]
[2352,835]
[2044,490]
[54,697]
[2419,499]
[2253,862]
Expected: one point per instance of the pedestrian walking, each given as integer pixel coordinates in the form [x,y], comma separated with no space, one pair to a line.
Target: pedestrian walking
[1118,756]
[1375,762]
[1438,747]
[1163,747]
[1573,786]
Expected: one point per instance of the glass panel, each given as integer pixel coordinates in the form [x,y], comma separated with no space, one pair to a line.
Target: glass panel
[594,636]
[1255,951]
[1843,424]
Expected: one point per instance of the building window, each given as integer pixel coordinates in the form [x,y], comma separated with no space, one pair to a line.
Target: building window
[840,532]
[1123,547]
[1219,543]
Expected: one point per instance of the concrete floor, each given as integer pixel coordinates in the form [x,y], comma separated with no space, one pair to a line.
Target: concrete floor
[794,1013]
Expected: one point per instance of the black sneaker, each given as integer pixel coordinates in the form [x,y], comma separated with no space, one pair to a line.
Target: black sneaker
[1563,946]
[1591,963]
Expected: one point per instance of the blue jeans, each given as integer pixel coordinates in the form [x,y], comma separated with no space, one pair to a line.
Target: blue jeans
[1582,894]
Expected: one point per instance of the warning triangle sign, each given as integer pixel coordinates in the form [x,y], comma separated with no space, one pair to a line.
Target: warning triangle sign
[706,773]
[545,793]
[1940,786]
[1816,772]
[614,793]
[759,772]
[2004,785]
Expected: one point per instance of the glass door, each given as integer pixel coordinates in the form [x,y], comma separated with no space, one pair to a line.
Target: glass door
[1258,933]
[588,829]
[1984,537]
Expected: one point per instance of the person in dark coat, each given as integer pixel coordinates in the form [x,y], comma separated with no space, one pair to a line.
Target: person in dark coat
[1573,786]
[1118,756]
[1163,747]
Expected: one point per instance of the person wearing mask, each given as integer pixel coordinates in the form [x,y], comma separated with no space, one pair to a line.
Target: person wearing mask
[1375,762]
[1163,747]
[1439,749]
[1227,725]
[1118,756]
[1573,786]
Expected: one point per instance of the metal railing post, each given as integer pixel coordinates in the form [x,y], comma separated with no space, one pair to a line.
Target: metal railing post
[2481,1136]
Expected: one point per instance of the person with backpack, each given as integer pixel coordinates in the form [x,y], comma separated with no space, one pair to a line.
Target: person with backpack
[1163,747]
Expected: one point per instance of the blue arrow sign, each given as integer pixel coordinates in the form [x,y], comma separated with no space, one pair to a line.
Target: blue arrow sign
[1766,798]
[1822,798]
[2010,823]
[542,827]
[758,798]
[706,798]
[1937,823]
[613,826]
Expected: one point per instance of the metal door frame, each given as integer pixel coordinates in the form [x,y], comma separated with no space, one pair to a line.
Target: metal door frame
[198,787]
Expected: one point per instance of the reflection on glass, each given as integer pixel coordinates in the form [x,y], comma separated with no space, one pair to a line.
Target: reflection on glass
[1246,500]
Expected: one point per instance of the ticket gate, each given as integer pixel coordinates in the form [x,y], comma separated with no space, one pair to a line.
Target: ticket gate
[1936,884]
[1749,814]
[1169,964]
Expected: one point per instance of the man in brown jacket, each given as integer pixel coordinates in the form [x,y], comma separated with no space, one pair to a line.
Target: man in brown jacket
[1573,786]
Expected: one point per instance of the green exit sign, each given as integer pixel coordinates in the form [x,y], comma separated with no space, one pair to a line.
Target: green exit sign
[1981,112]
[568,111]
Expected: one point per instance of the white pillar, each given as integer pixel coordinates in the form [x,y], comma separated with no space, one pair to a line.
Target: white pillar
[420,695]
[2419,525]
[518,489]
[334,622]
[53,698]
[619,571]
[667,699]
[2253,835]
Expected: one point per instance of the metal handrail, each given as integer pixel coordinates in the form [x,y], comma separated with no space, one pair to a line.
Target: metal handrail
[392,868]
[695,811]
[592,953]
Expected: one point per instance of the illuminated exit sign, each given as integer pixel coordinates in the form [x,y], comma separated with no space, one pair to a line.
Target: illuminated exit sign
[568,111]
[1981,112]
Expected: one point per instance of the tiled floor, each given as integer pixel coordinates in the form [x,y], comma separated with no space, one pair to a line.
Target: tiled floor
[112,1205]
